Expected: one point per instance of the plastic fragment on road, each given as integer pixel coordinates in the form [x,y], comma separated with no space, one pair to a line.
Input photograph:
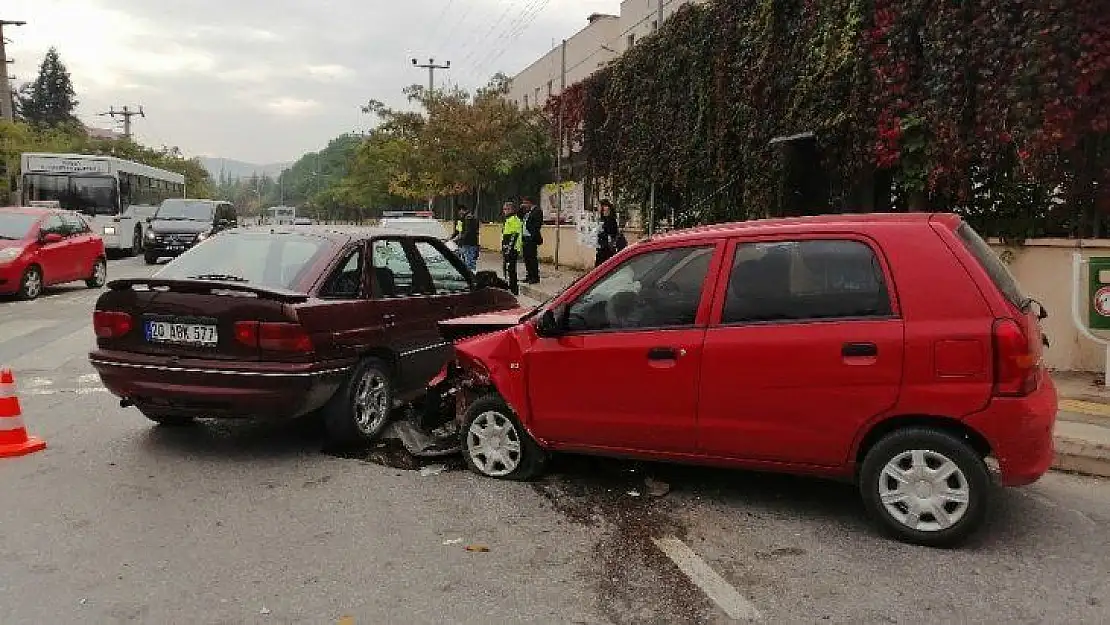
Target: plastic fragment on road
[452,541]
[656,488]
[477,548]
[432,469]
[633,493]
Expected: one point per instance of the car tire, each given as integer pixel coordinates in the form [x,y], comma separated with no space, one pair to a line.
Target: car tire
[31,284]
[167,420]
[150,259]
[495,444]
[925,487]
[99,274]
[360,410]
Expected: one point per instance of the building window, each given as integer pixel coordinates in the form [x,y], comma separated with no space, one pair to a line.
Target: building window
[654,25]
[631,40]
[526,100]
[537,101]
[549,87]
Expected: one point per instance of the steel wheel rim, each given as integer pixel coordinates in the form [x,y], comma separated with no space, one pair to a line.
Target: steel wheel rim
[99,272]
[493,444]
[924,490]
[32,284]
[371,402]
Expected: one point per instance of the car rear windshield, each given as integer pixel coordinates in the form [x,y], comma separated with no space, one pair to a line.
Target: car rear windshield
[992,264]
[276,260]
[15,226]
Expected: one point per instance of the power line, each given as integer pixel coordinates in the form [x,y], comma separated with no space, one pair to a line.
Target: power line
[511,31]
[489,32]
[434,30]
[522,27]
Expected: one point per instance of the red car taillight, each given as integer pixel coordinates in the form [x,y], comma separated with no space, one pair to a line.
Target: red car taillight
[110,324]
[273,336]
[1016,366]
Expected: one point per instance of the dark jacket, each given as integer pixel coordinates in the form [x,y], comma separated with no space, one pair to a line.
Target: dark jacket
[608,234]
[533,226]
[470,228]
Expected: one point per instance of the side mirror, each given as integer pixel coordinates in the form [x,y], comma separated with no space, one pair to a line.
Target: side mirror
[552,322]
[150,219]
[50,237]
[489,280]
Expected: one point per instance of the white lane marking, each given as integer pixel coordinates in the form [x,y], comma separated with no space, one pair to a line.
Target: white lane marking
[709,581]
[89,378]
[39,382]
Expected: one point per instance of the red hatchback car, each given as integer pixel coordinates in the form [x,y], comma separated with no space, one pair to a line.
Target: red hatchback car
[41,247]
[893,350]
[283,322]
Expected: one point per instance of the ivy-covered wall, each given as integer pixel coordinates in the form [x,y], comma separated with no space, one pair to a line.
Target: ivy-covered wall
[998,109]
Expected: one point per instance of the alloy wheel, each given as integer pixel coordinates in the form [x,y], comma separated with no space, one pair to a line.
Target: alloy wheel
[493,444]
[924,490]
[32,283]
[371,402]
[100,273]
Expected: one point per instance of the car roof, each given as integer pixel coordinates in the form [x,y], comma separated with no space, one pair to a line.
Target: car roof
[817,223]
[338,234]
[29,210]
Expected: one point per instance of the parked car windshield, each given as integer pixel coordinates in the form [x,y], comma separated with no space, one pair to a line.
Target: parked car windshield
[15,226]
[186,210]
[262,258]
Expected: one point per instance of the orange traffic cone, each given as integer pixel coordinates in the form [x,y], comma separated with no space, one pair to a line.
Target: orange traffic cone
[14,440]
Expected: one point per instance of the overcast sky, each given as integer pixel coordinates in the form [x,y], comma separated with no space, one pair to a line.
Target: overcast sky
[268,80]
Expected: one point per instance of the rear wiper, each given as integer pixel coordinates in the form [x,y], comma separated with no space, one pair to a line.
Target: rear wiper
[222,277]
[1042,312]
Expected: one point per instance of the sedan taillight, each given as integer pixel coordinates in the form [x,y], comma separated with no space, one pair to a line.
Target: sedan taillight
[110,324]
[273,336]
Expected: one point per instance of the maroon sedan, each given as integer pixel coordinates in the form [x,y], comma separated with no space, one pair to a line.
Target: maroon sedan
[286,322]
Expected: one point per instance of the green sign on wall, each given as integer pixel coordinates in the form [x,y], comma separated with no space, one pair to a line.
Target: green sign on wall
[1099,293]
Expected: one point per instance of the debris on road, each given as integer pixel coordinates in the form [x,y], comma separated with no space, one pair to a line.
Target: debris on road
[264,611]
[655,488]
[432,469]
[633,493]
[477,548]
[453,541]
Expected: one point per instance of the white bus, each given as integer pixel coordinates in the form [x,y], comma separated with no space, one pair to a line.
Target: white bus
[281,215]
[115,195]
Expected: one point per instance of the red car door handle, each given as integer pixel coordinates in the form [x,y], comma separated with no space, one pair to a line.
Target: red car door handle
[662,353]
[859,350]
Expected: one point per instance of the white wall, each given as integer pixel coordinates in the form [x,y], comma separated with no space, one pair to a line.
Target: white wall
[639,18]
[586,53]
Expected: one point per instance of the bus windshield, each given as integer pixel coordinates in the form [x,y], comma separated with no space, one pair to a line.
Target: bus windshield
[92,195]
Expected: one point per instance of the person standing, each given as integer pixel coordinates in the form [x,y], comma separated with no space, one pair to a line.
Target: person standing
[533,239]
[466,237]
[512,244]
[609,237]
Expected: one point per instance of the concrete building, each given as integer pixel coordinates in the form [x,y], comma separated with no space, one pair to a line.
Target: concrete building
[640,18]
[587,50]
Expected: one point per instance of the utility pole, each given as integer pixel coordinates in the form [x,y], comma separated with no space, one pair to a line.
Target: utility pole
[7,94]
[126,114]
[659,15]
[559,153]
[431,67]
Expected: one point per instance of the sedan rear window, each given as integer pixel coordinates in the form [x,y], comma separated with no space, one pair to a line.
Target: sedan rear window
[262,258]
[15,226]
[992,264]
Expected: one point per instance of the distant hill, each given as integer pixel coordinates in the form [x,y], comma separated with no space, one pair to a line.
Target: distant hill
[239,169]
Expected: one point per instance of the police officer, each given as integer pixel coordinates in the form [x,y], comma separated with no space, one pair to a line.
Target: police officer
[512,244]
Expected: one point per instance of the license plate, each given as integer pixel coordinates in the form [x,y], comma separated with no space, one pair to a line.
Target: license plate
[183,333]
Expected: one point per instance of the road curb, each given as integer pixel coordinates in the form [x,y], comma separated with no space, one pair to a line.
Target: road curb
[1079,456]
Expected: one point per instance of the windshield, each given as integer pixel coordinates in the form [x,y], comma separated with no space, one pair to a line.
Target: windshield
[186,210]
[15,226]
[424,227]
[92,195]
[262,258]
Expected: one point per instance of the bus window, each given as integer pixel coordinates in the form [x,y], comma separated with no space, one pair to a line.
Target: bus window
[95,195]
[39,187]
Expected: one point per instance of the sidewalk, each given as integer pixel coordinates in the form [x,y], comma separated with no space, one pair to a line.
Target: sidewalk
[1083,421]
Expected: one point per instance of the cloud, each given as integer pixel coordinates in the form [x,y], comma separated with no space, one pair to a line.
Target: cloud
[291,106]
[267,80]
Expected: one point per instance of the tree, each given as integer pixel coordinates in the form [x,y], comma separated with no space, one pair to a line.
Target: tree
[50,100]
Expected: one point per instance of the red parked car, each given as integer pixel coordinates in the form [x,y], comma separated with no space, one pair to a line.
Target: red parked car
[41,247]
[893,350]
[287,321]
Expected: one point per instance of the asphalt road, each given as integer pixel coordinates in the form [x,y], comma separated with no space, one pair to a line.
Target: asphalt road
[253,523]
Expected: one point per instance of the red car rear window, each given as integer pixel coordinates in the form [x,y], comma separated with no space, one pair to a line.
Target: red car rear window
[992,264]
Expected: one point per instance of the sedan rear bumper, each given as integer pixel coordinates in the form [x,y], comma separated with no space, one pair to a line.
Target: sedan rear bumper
[220,389]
